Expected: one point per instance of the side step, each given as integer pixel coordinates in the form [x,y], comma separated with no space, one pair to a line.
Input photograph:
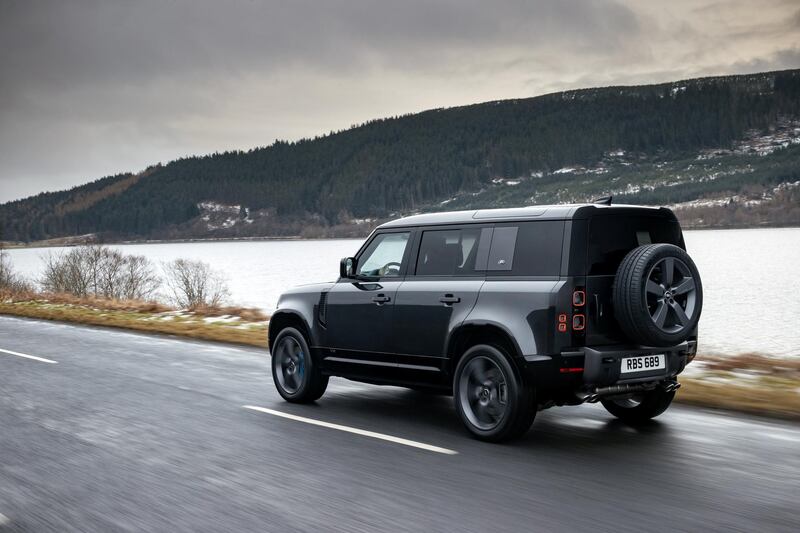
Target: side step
[598,393]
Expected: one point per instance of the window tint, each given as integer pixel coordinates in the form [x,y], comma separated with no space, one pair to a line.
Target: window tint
[383,256]
[448,252]
[527,249]
[612,237]
[501,254]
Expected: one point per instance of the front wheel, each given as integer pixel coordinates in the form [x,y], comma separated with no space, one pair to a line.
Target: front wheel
[297,376]
[491,400]
[640,407]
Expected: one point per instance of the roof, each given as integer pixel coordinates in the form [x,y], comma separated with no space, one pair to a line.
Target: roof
[536,212]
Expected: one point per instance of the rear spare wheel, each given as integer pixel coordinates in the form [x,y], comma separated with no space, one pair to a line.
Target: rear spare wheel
[657,295]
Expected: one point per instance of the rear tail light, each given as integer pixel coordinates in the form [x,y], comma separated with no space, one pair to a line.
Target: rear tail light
[578,319]
[579,298]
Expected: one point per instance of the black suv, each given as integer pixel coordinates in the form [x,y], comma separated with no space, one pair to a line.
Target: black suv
[508,310]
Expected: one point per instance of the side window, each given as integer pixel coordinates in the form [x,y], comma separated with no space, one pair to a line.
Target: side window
[384,256]
[527,249]
[448,252]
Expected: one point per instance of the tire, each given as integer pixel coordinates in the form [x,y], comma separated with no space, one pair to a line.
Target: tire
[295,372]
[641,407]
[657,295]
[479,402]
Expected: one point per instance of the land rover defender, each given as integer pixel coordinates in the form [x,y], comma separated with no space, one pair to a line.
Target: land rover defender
[509,310]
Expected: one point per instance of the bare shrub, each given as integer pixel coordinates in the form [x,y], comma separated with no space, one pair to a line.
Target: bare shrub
[100,271]
[10,281]
[139,279]
[65,273]
[194,284]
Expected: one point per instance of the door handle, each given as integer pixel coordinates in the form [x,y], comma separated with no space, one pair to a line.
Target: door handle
[449,299]
[381,299]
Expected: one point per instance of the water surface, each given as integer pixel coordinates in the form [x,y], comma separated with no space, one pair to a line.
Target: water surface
[751,279]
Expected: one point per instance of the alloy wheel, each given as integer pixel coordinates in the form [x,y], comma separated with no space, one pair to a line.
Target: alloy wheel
[290,362]
[671,295]
[483,393]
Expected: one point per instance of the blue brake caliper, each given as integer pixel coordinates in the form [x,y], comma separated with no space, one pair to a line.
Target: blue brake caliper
[302,366]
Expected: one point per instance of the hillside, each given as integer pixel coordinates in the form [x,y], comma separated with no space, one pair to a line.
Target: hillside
[725,150]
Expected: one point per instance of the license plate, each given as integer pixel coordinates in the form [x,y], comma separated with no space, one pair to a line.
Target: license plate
[643,363]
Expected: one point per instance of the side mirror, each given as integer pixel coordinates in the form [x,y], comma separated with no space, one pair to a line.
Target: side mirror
[347,267]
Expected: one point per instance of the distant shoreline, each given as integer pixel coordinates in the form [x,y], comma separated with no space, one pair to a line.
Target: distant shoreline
[72,241]
[49,244]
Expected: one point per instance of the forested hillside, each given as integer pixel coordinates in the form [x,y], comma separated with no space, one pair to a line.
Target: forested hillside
[668,143]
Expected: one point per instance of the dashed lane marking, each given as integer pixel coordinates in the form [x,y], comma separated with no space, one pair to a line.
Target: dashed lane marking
[32,357]
[356,431]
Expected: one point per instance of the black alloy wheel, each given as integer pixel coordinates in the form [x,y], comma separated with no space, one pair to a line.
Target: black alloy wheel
[296,373]
[491,398]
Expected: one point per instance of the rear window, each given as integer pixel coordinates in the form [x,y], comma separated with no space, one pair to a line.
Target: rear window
[526,249]
[612,237]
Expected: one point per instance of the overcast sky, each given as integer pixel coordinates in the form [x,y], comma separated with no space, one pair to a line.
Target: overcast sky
[93,88]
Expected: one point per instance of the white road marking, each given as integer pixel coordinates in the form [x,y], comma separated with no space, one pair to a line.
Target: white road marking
[4,521]
[362,432]
[26,356]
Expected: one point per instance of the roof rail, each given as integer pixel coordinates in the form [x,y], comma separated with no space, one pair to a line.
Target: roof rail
[605,200]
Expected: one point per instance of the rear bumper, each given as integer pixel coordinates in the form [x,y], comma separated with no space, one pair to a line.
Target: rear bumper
[599,366]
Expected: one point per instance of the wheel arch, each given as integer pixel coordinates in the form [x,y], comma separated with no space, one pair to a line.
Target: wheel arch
[288,318]
[472,333]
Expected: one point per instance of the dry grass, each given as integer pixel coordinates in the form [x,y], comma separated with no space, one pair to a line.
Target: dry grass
[222,325]
[750,383]
[773,397]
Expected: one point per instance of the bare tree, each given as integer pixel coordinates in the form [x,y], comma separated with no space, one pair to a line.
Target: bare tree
[140,281]
[100,271]
[193,284]
[10,281]
[66,272]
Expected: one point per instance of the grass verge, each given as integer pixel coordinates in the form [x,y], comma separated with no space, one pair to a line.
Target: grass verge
[772,397]
[747,383]
[230,325]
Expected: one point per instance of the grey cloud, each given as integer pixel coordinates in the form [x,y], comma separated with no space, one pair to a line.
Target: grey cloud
[788,58]
[61,43]
[93,87]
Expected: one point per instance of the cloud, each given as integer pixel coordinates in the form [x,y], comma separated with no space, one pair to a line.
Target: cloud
[90,88]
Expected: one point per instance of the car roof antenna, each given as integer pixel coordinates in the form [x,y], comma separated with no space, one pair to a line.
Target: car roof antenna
[605,200]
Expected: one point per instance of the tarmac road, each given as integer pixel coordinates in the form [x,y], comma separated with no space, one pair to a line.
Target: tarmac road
[131,432]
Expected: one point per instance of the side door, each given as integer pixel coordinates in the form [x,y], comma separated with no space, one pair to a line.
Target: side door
[359,311]
[439,291]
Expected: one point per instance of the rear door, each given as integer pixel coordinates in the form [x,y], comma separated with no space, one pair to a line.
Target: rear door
[438,293]
[610,238]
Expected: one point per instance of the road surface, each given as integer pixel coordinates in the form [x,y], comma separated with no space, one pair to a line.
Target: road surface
[104,430]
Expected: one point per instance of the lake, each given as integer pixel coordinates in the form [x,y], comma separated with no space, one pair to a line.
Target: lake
[751,279]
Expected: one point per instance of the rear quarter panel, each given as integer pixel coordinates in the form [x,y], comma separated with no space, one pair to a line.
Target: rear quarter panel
[522,308]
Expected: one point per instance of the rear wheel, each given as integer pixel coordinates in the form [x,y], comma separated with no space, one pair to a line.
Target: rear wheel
[490,398]
[297,376]
[640,407]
